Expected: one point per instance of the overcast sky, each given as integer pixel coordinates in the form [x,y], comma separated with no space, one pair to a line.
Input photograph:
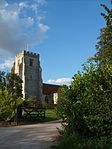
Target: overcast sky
[63,32]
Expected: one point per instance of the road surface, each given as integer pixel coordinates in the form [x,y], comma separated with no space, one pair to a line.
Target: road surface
[38,136]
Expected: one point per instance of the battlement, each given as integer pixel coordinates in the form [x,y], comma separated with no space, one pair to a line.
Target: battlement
[27,53]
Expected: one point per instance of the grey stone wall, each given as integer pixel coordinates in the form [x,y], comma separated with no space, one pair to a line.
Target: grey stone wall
[27,66]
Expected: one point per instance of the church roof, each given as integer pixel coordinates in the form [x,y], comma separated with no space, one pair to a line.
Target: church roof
[50,88]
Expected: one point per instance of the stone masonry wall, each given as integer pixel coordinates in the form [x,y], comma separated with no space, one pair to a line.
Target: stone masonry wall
[27,66]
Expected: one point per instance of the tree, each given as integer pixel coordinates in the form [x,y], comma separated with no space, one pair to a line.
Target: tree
[104,45]
[14,85]
[8,105]
[2,80]
[10,95]
[86,105]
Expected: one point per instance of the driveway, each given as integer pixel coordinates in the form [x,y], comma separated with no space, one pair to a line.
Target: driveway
[38,136]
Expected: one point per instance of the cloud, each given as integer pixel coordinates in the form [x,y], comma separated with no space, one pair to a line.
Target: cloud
[42,2]
[23,5]
[43,28]
[21,24]
[60,81]
[7,64]
[3,4]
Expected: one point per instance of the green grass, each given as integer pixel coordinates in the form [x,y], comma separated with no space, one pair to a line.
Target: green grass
[51,115]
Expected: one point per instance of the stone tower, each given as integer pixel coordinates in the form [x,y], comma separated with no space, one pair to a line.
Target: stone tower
[27,66]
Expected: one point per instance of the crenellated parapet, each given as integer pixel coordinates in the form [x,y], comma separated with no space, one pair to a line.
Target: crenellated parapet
[27,53]
[31,54]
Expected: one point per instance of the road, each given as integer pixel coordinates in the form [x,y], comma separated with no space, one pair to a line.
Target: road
[37,136]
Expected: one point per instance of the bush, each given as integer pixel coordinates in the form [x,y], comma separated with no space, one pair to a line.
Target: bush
[76,141]
[32,102]
[86,105]
[8,105]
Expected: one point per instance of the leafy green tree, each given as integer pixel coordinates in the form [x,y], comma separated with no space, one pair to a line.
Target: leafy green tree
[10,95]
[2,80]
[8,105]
[86,105]
[104,45]
[11,82]
[14,85]
[63,102]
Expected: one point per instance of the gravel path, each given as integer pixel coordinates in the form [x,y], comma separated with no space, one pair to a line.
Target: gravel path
[38,136]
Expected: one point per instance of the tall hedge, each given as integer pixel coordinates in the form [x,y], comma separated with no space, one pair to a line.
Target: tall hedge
[86,105]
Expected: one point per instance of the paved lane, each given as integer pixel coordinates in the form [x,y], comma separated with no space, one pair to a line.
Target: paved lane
[38,136]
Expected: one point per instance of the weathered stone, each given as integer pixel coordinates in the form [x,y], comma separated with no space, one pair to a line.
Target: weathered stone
[27,66]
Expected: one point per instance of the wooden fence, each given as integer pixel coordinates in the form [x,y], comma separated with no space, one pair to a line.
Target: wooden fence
[30,113]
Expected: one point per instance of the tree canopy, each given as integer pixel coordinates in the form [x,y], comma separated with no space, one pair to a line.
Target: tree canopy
[104,44]
[10,95]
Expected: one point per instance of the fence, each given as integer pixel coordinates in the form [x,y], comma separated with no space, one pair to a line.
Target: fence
[30,113]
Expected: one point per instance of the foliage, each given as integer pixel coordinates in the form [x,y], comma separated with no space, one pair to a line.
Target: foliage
[63,102]
[2,80]
[14,84]
[32,102]
[8,105]
[10,95]
[76,141]
[104,45]
[87,103]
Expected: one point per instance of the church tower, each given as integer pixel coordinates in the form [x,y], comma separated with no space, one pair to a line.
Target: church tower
[27,66]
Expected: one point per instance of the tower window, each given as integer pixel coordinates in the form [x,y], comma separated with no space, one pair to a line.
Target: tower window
[18,62]
[31,62]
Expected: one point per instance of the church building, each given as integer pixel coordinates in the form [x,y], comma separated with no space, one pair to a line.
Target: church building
[27,67]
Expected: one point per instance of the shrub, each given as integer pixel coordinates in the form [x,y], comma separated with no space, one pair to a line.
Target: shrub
[76,141]
[86,105]
[8,105]
[32,102]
